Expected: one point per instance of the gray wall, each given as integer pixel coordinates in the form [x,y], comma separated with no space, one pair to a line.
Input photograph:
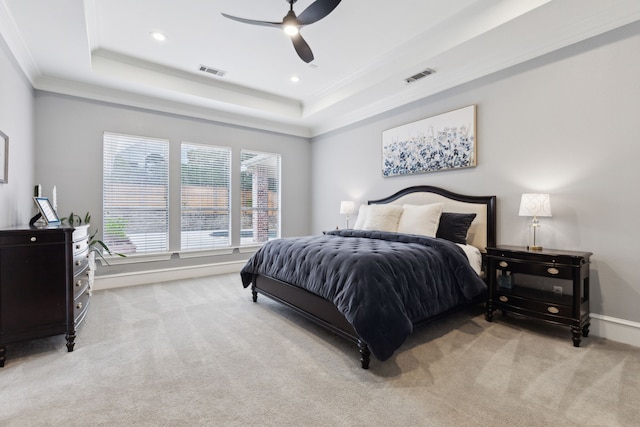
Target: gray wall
[69,133]
[567,124]
[16,121]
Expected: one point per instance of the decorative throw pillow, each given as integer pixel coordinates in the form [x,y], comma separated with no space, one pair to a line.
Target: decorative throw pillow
[454,226]
[382,218]
[420,219]
[362,216]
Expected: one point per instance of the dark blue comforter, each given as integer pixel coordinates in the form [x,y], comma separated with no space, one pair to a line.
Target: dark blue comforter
[381,282]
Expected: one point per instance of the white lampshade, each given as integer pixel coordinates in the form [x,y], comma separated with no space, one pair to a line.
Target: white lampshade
[535,205]
[347,207]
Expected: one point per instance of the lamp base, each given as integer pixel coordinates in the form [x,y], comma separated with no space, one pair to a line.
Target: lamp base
[534,248]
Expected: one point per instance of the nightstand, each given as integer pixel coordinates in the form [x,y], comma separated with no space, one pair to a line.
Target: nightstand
[550,285]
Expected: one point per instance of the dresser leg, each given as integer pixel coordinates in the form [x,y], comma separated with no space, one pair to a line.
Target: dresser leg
[70,341]
[3,352]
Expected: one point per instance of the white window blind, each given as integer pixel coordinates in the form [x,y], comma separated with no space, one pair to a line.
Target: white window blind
[135,194]
[205,196]
[259,197]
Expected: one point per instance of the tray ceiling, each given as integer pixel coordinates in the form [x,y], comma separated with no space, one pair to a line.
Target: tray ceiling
[364,52]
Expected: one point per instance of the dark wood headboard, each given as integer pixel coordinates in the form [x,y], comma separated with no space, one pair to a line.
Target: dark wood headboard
[482,232]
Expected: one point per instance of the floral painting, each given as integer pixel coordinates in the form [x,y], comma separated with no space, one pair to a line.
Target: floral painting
[446,141]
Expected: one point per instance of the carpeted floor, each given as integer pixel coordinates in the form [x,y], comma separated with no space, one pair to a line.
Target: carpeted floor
[199,352]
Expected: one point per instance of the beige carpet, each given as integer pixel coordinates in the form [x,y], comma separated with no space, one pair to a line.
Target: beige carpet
[199,352]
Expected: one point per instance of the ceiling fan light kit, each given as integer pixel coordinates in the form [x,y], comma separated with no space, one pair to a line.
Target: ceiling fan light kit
[291,24]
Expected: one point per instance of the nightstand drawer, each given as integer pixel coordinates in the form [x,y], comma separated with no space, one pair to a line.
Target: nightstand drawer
[547,270]
[540,307]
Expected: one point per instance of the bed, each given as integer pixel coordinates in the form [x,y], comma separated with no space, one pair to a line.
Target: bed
[403,265]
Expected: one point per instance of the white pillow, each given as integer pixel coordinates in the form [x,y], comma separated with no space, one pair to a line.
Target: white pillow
[362,215]
[420,219]
[382,217]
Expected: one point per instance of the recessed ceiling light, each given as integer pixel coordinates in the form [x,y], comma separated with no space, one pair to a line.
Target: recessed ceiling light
[158,36]
[295,79]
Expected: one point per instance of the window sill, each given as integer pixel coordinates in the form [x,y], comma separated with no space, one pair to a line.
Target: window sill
[166,256]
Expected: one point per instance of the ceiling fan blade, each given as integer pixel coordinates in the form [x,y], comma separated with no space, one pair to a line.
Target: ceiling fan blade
[317,10]
[302,48]
[253,21]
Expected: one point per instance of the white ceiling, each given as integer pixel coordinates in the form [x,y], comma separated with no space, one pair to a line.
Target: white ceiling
[363,50]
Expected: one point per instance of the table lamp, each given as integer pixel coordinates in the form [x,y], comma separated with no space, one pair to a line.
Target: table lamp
[347,207]
[535,205]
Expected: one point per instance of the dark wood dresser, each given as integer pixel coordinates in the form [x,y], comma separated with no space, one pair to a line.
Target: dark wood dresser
[44,283]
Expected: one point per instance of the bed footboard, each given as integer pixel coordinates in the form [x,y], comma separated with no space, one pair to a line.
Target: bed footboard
[311,306]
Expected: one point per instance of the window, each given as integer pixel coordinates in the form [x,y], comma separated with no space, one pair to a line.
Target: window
[135,194]
[205,197]
[259,197]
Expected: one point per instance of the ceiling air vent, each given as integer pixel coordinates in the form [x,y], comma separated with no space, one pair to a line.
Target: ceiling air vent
[420,75]
[213,71]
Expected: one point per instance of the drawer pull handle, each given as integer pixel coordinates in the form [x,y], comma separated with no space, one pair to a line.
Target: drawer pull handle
[77,262]
[33,239]
[503,264]
[503,298]
[77,246]
[553,310]
[79,283]
[79,305]
[553,270]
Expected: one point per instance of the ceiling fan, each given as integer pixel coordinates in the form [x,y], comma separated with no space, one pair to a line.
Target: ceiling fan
[291,23]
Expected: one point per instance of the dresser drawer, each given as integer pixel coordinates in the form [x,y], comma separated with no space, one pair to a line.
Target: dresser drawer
[31,238]
[80,262]
[80,232]
[80,306]
[80,284]
[80,246]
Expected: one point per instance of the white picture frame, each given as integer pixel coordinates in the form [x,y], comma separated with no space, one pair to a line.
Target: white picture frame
[445,141]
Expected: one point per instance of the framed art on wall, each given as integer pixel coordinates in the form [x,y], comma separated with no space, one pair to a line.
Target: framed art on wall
[445,141]
[4,158]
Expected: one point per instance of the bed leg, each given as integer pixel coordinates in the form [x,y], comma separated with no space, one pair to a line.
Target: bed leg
[365,354]
[254,294]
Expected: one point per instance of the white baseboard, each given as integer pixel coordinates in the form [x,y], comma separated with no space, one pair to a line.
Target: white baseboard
[621,330]
[111,281]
